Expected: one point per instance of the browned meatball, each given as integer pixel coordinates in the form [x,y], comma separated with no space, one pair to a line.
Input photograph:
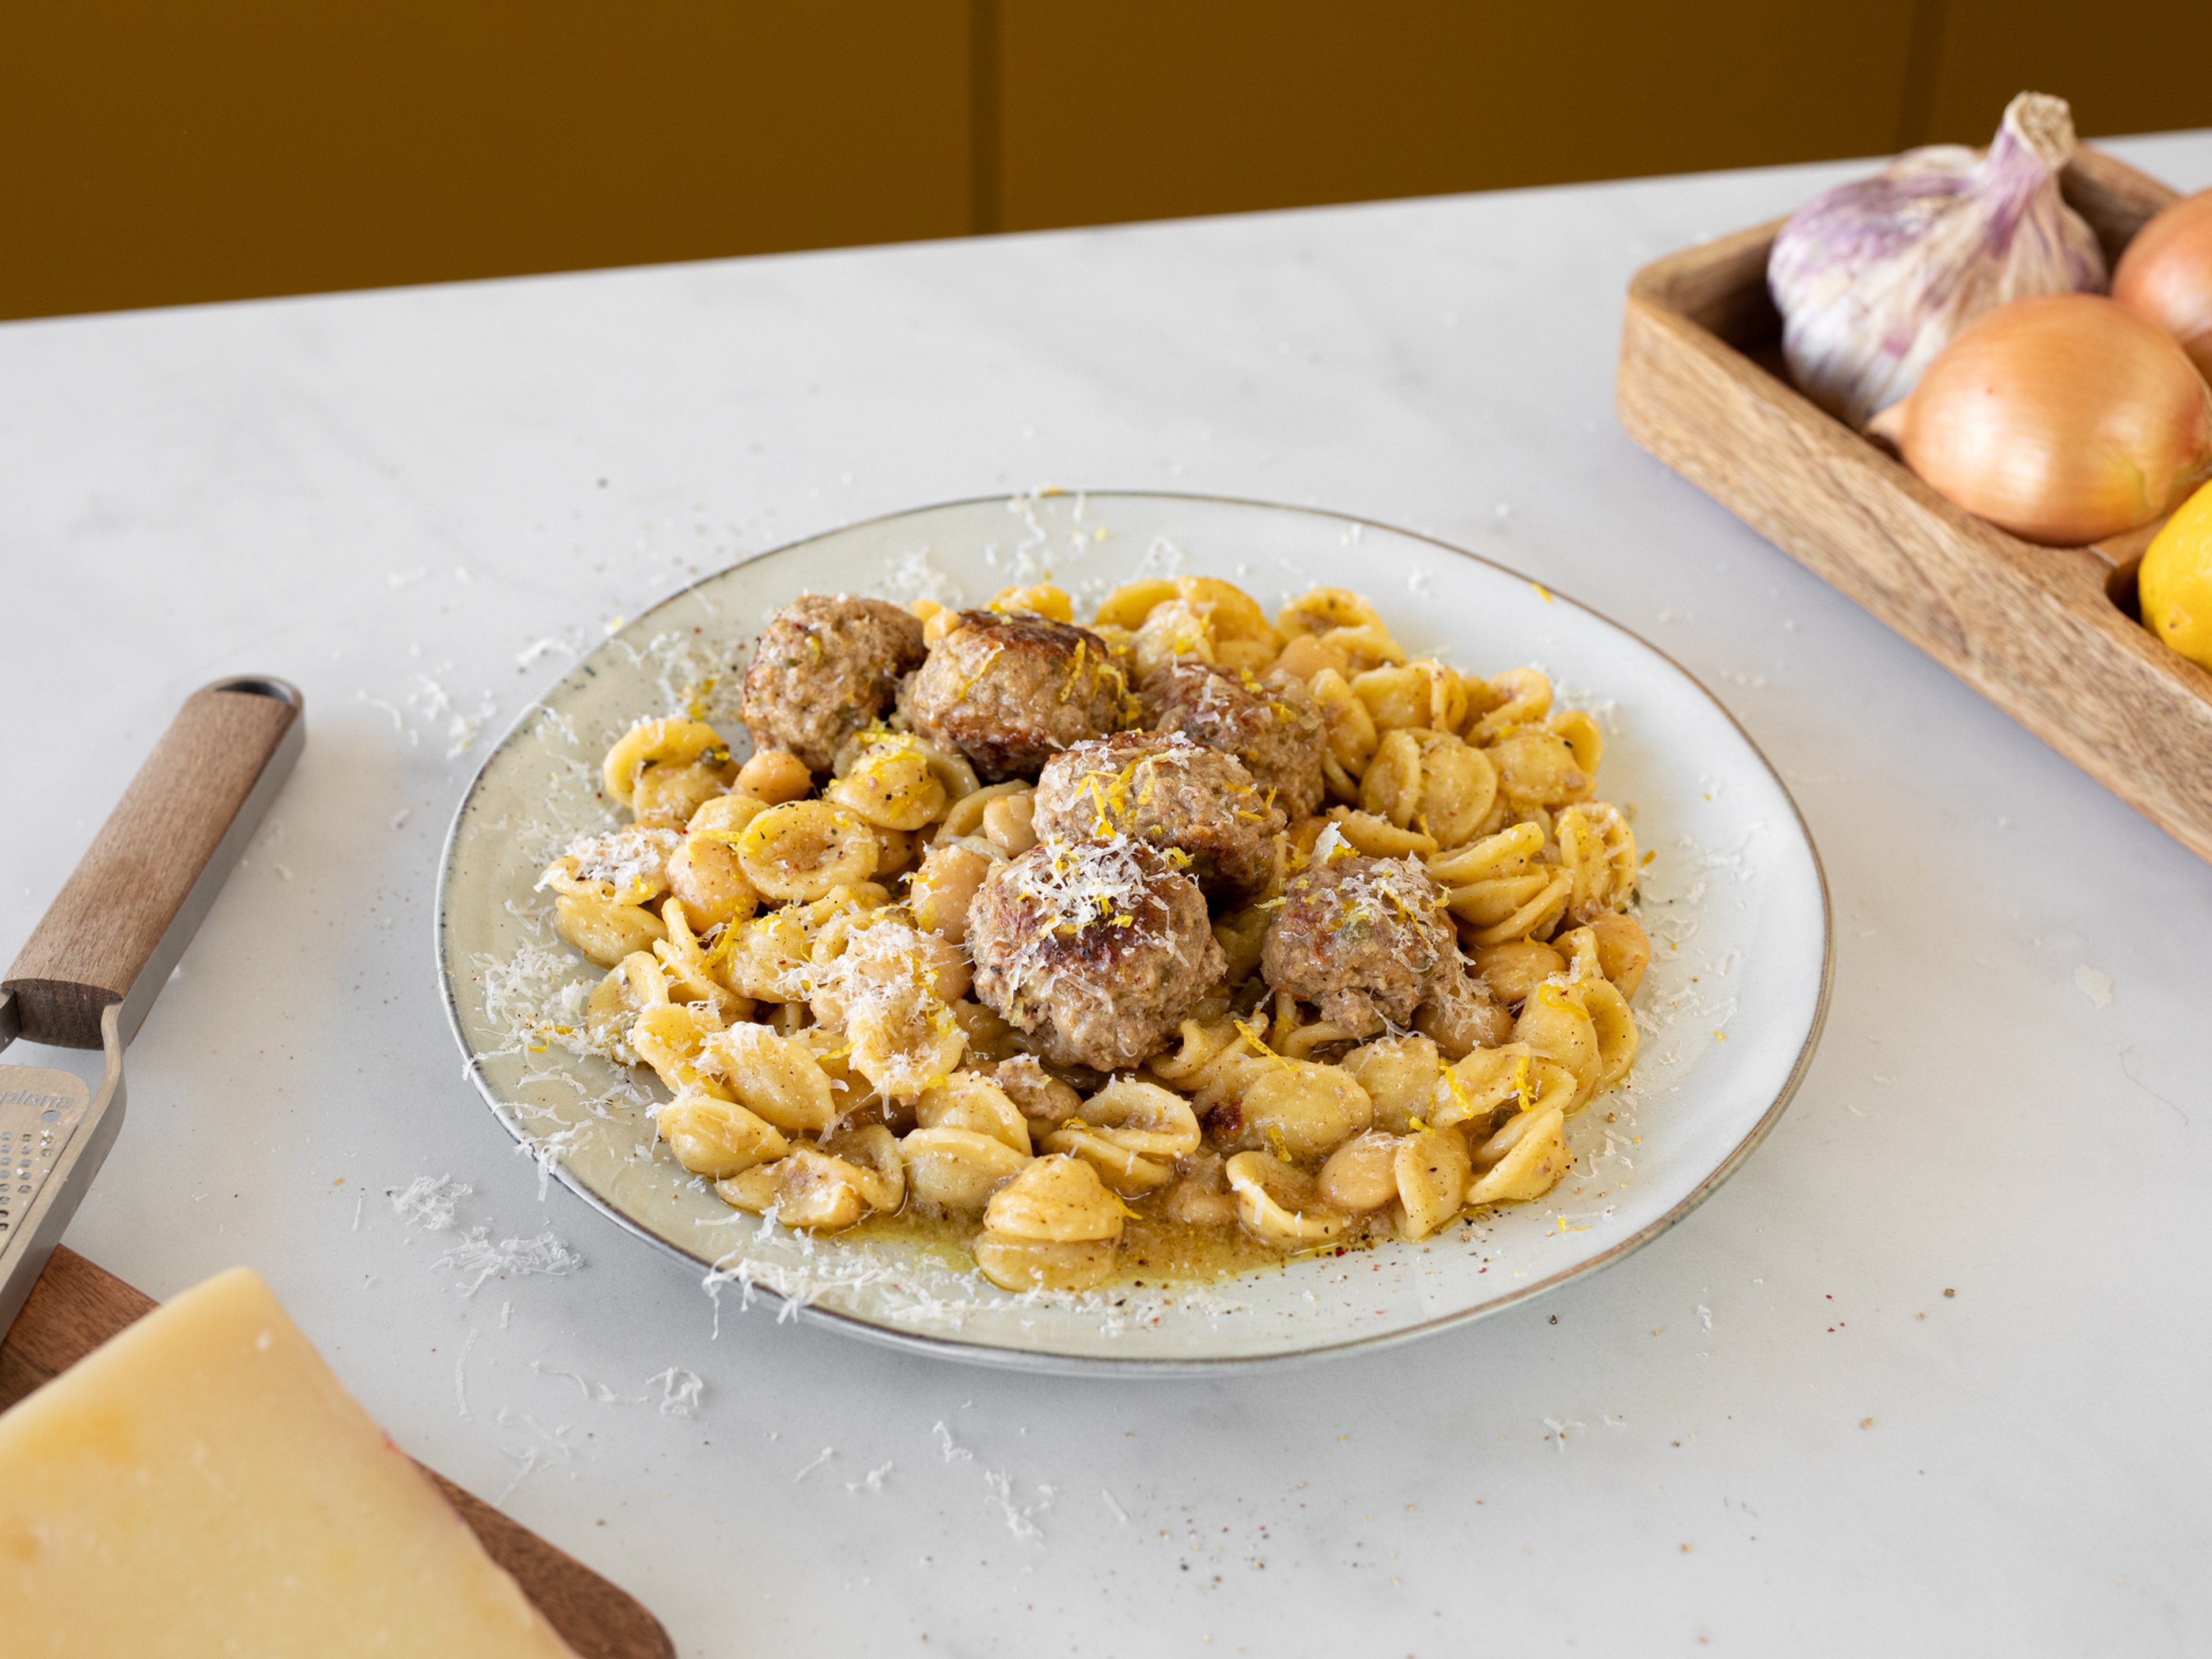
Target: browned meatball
[1360,937]
[823,669]
[1012,691]
[1163,789]
[1271,725]
[1096,948]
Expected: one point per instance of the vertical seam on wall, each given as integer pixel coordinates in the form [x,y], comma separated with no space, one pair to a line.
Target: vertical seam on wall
[1923,69]
[983,24]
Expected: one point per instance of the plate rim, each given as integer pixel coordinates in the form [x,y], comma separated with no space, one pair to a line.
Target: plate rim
[963,1352]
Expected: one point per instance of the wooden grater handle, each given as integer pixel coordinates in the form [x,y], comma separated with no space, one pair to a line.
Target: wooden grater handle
[136,898]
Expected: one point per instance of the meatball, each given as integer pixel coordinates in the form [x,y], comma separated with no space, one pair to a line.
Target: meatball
[1361,938]
[1010,692]
[823,669]
[1163,789]
[1096,948]
[1272,725]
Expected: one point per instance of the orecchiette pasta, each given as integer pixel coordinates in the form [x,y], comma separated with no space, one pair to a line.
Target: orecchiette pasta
[804,848]
[716,1137]
[790,954]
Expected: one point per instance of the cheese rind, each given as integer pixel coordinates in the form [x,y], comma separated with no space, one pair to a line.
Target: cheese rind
[204,1484]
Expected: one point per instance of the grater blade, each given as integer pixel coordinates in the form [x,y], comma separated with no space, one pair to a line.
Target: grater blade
[54,1132]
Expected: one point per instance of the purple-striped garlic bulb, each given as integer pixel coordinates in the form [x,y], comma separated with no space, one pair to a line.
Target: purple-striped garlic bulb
[1875,277]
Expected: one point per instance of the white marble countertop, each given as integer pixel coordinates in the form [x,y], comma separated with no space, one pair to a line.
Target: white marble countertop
[1928,1373]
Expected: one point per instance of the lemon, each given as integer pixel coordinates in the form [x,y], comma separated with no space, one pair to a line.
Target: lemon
[2175,580]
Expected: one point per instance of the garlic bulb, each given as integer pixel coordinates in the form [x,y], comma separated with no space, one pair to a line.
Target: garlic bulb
[1875,277]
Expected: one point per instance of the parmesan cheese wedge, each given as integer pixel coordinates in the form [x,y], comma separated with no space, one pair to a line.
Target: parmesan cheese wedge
[204,1484]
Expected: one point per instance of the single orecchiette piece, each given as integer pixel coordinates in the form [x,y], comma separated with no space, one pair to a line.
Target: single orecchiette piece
[889,782]
[1556,1023]
[806,1189]
[1535,768]
[872,1151]
[1422,693]
[653,743]
[1379,838]
[1277,1205]
[1513,971]
[1597,849]
[705,876]
[669,1036]
[1400,1075]
[630,866]
[1298,1109]
[1492,1083]
[717,1137]
[1433,1170]
[1043,599]
[804,848]
[1319,610]
[772,1076]
[1310,655]
[1059,1200]
[1364,648]
[1528,1165]
[1052,1227]
[1519,697]
[604,931]
[1348,732]
[1584,1026]
[1498,889]
[1131,1133]
[770,958]
[1458,787]
[957,1169]
[1579,730]
[1232,613]
[968,1101]
[1128,606]
[1177,630]
[691,978]
[634,983]
[1430,780]
[669,796]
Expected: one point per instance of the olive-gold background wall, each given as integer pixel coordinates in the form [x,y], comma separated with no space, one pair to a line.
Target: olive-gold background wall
[154,152]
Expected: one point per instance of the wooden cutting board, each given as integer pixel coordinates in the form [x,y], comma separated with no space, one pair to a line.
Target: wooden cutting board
[75,1307]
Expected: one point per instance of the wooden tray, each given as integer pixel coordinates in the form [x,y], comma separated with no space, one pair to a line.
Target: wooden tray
[75,1307]
[2048,634]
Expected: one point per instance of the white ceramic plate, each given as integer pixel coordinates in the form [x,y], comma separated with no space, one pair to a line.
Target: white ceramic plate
[1734,902]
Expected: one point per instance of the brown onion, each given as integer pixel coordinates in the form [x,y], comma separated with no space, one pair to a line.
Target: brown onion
[2065,418]
[2167,275]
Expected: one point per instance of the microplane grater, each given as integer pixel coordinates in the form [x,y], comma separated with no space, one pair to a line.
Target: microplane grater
[109,942]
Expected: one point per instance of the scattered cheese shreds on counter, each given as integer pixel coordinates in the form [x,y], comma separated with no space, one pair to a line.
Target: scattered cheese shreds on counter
[474,1253]
[429,1201]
